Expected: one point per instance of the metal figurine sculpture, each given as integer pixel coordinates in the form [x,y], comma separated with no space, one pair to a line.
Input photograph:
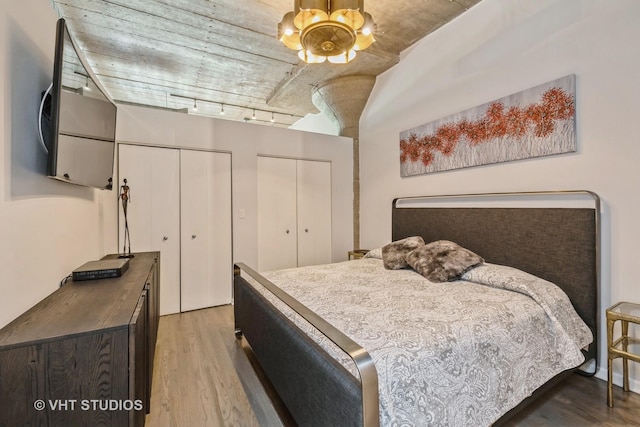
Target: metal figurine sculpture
[126,198]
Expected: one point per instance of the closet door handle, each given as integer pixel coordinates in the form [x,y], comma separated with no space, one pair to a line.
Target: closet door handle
[165,238]
[306,230]
[287,231]
[193,236]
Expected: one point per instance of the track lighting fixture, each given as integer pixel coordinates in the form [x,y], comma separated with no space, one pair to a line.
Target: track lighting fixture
[222,112]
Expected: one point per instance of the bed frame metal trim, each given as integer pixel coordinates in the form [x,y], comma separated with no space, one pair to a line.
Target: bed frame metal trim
[361,358]
[555,193]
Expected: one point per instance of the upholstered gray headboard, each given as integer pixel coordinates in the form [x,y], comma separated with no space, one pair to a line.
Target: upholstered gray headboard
[559,244]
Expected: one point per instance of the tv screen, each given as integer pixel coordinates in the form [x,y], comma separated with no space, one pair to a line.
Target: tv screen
[81,122]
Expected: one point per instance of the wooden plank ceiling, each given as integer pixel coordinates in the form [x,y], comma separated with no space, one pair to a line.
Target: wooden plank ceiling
[166,53]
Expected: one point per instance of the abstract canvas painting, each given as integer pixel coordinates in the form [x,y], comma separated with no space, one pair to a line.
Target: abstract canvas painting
[536,122]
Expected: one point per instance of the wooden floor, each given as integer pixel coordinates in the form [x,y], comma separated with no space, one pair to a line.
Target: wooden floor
[202,377]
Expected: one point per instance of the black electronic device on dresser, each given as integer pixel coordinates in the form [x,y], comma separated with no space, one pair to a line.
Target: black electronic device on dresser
[101,269]
[84,354]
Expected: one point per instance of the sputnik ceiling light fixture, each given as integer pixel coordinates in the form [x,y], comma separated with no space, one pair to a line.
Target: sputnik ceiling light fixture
[323,30]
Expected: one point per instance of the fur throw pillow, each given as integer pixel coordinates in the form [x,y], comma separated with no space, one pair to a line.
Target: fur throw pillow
[442,260]
[394,254]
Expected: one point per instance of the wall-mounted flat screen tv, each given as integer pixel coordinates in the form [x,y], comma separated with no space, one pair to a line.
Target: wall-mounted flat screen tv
[78,120]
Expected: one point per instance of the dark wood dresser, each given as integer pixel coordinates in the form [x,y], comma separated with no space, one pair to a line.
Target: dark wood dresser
[83,356]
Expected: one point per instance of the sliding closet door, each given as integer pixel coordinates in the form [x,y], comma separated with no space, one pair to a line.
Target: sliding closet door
[277,226]
[314,212]
[206,273]
[153,212]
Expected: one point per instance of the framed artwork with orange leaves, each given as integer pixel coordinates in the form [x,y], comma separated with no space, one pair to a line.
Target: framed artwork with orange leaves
[536,122]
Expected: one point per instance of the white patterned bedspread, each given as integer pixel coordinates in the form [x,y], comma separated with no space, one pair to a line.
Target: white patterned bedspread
[447,354]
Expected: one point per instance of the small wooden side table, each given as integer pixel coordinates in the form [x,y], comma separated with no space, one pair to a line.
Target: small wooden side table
[357,253]
[625,312]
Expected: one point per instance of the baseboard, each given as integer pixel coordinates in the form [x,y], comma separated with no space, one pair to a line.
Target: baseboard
[634,384]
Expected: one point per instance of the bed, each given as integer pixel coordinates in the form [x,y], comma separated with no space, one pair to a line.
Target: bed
[441,369]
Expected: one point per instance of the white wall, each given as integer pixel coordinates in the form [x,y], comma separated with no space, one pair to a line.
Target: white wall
[246,141]
[500,47]
[316,123]
[47,228]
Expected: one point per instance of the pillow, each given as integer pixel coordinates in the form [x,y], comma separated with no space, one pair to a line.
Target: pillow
[374,253]
[393,254]
[442,260]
